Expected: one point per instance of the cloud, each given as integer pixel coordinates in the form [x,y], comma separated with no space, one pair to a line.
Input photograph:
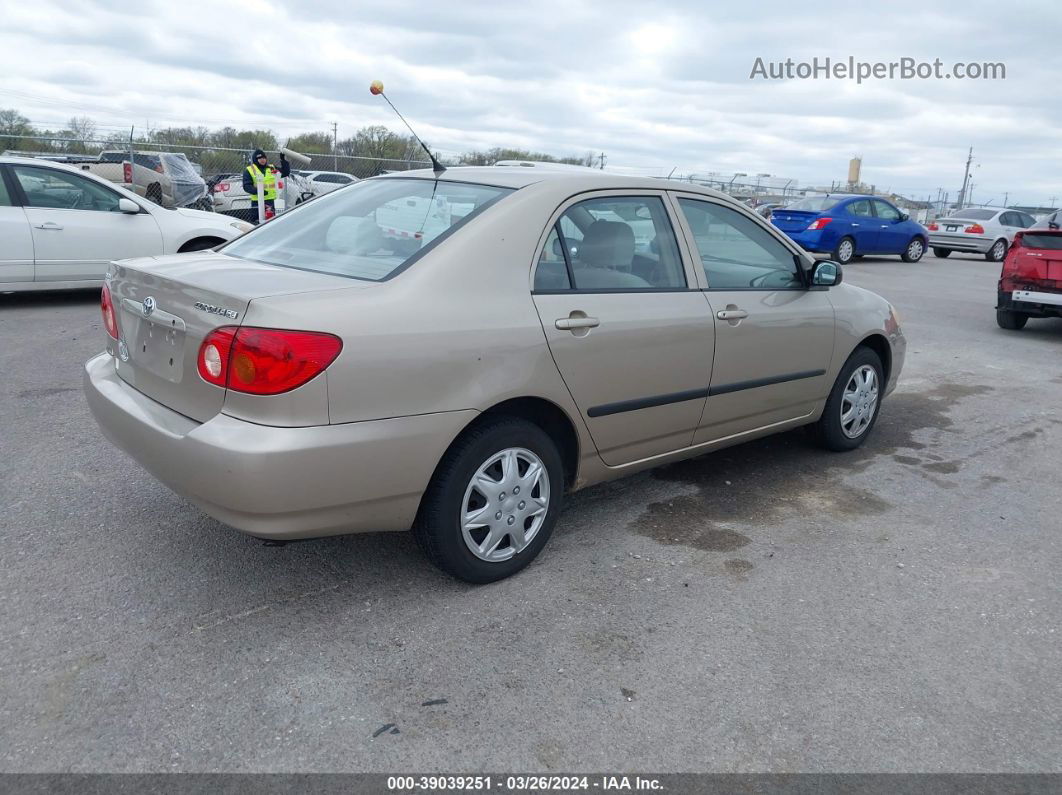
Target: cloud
[652,85]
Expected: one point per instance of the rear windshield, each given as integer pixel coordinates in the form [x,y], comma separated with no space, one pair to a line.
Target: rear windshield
[1050,242]
[815,204]
[368,231]
[974,215]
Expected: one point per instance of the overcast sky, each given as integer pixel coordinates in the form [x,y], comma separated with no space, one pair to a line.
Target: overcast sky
[654,85]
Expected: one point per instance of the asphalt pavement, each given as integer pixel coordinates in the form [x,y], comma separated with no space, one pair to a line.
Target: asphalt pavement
[771,607]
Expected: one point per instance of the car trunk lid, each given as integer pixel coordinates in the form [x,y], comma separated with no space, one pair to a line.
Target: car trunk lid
[1037,257]
[794,220]
[166,306]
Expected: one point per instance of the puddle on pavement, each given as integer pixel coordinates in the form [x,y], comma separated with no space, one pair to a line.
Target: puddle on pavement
[765,481]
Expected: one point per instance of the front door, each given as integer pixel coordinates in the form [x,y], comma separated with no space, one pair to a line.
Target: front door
[631,339]
[77,227]
[16,253]
[774,337]
[893,234]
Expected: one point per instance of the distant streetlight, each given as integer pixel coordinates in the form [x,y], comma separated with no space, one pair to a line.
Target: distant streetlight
[739,174]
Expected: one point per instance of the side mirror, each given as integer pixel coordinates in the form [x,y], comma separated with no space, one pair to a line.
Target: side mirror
[826,274]
[905,216]
[128,206]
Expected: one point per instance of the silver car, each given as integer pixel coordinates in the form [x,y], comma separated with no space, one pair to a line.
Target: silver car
[979,231]
[453,355]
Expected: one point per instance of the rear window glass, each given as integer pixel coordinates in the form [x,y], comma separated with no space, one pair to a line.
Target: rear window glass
[1050,242]
[974,215]
[815,204]
[369,231]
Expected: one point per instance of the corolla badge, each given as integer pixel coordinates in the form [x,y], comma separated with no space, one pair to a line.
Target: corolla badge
[149,305]
[231,314]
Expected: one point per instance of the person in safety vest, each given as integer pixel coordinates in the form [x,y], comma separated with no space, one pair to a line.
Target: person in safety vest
[262,171]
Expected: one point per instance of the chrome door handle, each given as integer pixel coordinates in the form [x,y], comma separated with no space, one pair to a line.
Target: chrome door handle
[884,226]
[731,314]
[571,323]
[49,225]
[855,224]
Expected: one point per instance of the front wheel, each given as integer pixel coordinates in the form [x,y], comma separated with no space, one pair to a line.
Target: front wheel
[493,501]
[845,251]
[914,251]
[1011,321]
[997,252]
[852,407]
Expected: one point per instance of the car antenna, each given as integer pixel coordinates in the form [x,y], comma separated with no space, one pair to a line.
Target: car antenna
[376,88]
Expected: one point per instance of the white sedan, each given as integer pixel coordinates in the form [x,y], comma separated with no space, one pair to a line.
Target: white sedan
[62,227]
[323,182]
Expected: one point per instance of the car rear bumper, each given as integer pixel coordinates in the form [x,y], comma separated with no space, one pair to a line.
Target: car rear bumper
[282,483]
[810,241]
[1032,302]
[975,243]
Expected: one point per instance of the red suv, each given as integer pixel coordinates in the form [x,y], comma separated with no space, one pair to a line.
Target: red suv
[1031,282]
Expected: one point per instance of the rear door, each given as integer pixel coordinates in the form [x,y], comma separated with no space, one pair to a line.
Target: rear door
[857,219]
[77,227]
[773,337]
[16,253]
[631,335]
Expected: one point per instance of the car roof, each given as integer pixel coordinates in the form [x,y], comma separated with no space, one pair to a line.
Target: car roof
[35,161]
[577,180]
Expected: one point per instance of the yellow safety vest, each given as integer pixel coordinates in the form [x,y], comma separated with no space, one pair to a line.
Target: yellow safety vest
[268,180]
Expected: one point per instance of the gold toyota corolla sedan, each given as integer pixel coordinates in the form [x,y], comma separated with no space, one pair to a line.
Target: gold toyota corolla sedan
[454,354]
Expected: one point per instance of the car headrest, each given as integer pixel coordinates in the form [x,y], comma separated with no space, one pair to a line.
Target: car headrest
[608,244]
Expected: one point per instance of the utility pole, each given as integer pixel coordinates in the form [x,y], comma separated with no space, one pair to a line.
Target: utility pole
[965,181]
[1005,197]
[601,159]
[335,146]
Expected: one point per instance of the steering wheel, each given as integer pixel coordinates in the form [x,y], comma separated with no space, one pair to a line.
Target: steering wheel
[76,203]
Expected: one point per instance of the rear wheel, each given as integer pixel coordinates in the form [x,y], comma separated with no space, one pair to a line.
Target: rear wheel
[493,501]
[1012,321]
[914,251]
[852,407]
[997,252]
[845,251]
[943,253]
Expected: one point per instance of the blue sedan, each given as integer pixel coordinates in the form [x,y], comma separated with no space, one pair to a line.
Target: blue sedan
[847,226]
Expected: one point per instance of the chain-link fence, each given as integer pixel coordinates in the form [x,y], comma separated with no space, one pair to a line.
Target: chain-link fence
[201,177]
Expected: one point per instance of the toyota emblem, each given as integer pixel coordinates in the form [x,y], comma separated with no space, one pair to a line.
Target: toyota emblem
[149,305]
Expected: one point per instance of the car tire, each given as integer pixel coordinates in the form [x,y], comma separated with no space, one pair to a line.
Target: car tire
[1012,321]
[998,251]
[832,431]
[488,452]
[914,251]
[845,251]
[943,253]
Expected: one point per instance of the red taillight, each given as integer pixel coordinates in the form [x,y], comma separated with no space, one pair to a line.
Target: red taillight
[159,169]
[221,187]
[933,227]
[819,223]
[974,229]
[127,172]
[264,361]
[110,322]
[214,355]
